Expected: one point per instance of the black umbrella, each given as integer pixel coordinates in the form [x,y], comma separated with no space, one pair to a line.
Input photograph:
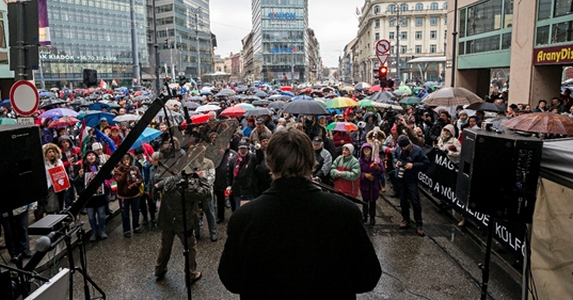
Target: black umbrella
[141,98]
[252,98]
[383,97]
[486,106]
[261,94]
[191,105]
[258,111]
[261,102]
[305,108]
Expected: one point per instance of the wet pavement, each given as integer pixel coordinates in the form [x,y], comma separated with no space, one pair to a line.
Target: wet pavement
[442,265]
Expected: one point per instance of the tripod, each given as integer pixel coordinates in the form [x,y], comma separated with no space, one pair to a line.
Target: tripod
[82,269]
[485,266]
[183,185]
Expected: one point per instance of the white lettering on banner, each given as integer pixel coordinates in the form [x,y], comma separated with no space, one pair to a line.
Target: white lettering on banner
[445,162]
[505,235]
[84,58]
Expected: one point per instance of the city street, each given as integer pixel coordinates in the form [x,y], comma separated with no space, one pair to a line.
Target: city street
[442,265]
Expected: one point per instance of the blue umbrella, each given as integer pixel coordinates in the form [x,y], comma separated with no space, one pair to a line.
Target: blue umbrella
[287,93]
[302,97]
[206,93]
[93,119]
[45,95]
[5,103]
[99,106]
[58,112]
[148,135]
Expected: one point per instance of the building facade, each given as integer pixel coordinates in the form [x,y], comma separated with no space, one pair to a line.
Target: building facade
[314,58]
[280,41]
[415,29]
[247,59]
[91,35]
[6,76]
[536,52]
[184,37]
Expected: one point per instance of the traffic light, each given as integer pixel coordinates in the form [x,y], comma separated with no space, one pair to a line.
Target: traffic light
[382,72]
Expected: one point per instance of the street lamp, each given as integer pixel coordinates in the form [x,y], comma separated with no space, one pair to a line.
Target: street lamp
[197,12]
[397,19]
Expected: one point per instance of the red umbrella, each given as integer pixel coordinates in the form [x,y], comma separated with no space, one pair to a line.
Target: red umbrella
[137,93]
[63,122]
[542,122]
[286,88]
[375,88]
[233,111]
[196,119]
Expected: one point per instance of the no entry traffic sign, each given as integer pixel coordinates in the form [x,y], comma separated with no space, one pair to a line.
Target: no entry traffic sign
[24,98]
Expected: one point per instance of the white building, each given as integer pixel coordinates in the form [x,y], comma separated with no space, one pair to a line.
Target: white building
[417,34]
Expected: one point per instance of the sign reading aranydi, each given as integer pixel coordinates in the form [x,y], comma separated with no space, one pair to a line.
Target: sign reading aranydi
[553,55]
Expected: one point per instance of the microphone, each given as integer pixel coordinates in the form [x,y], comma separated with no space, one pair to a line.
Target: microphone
[44,243]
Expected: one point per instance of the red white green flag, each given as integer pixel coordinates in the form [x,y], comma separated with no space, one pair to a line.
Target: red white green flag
[103,85]
[114,82]
[84,137]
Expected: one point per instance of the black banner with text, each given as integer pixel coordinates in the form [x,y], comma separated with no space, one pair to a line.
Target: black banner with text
[440,180]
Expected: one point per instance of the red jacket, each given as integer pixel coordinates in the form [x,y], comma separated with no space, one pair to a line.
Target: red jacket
[341,137]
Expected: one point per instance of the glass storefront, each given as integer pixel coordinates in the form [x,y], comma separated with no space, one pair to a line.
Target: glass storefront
[554,22]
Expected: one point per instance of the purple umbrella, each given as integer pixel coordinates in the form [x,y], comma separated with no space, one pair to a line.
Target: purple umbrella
[58,113]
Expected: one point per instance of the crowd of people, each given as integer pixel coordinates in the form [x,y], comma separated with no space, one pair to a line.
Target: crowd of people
[384,153]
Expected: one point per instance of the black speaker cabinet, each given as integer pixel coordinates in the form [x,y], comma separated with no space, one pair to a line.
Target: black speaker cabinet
[90,77]
[22,172]
[498,174]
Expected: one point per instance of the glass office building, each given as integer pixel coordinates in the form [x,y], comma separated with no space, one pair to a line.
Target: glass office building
[96,35]
[280,41]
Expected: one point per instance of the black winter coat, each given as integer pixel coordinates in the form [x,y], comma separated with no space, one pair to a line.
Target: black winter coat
[297,242]
[244,183]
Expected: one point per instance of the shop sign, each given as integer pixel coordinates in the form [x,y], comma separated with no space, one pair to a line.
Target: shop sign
[553,55]
[282,16]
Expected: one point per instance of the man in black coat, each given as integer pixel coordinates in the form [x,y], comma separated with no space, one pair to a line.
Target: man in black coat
[241,176]
[295,241]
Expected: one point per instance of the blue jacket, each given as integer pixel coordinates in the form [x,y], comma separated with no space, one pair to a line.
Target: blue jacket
[416,156]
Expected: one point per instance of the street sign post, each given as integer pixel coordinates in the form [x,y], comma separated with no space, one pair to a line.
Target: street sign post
[24,98]
[382,49]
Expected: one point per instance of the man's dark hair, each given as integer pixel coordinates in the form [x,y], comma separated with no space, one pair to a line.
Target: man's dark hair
[290,154]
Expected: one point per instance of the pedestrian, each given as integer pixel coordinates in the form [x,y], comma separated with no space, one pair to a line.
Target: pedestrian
[16,232]
[170,219]
[204,168]
[129,189]
[52,160]
[321,171]
[221,182]
[332,257]
[240,177]
[370,186]
[345,171]
[409,160]
[97,203]
[262,172]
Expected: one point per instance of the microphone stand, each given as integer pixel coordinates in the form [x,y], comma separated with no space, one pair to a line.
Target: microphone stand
[184,184]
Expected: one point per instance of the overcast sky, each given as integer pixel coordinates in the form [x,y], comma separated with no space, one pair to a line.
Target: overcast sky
[334,24]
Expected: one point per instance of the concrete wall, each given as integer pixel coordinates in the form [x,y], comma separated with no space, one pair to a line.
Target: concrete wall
[522,42]
[546,84]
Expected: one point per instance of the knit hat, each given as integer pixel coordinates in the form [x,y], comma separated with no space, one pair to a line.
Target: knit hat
[349,146]
[403,141]
[97,146]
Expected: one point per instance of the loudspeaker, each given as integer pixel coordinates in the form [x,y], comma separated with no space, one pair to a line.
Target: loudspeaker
[22,172]
[498,174]
[90,77]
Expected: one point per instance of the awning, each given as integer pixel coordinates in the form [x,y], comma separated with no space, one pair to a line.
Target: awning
[427,59]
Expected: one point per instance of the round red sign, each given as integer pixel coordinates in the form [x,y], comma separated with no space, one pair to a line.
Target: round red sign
[24,98]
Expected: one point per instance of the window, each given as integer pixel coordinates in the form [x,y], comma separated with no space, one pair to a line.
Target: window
[391,35]
[404,35]
[392,23]
[391,7]
[404,7]
[419,6]
[419,21]
[433,21]
[404,22]
[433,48]
[376,36]
[479,18]
[418,35]
[391,49]
[445,5]
[433,34]
[418,49]
[434,6]
[403,49]
[376,9]
[377,23]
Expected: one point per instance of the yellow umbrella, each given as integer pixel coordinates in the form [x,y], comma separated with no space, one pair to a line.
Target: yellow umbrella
[341,102]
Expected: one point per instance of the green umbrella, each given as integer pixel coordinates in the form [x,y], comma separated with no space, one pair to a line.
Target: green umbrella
[246,106]
[365,103]
[405,88]
[400,93]
[412,100]
[8,121]
[321,102]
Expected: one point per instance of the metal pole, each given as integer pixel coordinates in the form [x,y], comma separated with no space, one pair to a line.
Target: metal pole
[197,12]
[454,42]
[42,81]
[136,82]
[171,56]
[21,74]
[292,66]
[398,44]
[156,46]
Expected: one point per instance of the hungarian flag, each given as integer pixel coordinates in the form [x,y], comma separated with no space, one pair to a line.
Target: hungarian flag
[103,84]
[84,137]
[114,82]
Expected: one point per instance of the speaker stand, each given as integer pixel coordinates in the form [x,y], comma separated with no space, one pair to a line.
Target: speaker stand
[485,266]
